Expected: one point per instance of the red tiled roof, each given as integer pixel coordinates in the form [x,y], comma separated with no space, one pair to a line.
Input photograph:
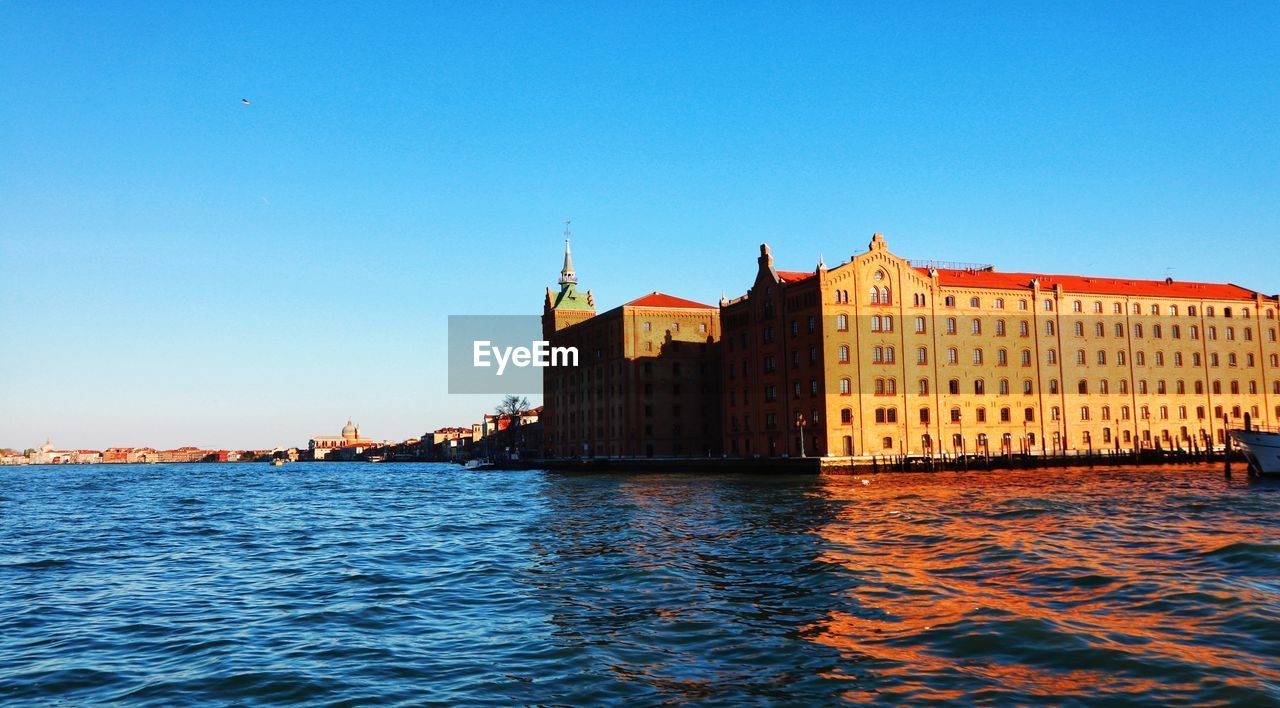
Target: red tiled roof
[1099,286]
[657,299]
[794,276]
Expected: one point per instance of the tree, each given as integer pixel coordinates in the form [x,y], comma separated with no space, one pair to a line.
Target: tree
[514,406]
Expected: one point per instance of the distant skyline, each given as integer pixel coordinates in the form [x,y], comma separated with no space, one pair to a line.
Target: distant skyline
[180,267]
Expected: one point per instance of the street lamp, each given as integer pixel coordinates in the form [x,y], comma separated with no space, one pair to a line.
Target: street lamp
[800,424]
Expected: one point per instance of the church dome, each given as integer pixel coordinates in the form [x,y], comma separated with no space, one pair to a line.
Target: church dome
[349,431]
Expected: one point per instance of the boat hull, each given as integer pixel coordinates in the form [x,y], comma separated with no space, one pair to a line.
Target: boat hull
[1262,449]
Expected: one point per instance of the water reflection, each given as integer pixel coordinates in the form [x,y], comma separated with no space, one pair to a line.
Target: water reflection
[686,587]
[1087,584]
[343,583]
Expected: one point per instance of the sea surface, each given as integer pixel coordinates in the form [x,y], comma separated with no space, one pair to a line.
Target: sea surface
[354,584]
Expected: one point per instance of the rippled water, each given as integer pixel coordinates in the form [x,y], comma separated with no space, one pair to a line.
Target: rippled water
[333,583]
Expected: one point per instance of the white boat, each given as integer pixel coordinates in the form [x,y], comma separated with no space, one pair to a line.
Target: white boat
[1262,448]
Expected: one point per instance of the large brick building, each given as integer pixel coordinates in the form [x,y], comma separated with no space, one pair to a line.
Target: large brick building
[881,355]
[646,384]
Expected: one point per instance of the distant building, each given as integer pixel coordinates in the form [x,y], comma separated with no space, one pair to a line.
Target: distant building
[86,457]
[142,454]
[46,455]
[321,446]
[116,455]
[182,454]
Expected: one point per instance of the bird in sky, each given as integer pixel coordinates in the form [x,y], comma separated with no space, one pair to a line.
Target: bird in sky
[245,101]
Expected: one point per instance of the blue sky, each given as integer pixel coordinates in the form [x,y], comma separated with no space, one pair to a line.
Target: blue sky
[178,268]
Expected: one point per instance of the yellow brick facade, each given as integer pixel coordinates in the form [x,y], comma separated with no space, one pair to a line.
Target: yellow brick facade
[909,359]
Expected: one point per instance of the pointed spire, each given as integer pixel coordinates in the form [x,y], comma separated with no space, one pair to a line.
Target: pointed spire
[566,273]
[822,264]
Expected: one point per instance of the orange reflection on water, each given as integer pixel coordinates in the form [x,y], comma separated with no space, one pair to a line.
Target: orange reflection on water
[1048,587]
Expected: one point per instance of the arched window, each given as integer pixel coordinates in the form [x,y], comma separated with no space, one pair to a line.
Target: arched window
[1082,386]
[875,295]
[953,386]
[844,354]
[1004,387]
[979,387]
[846,387]
[924,387]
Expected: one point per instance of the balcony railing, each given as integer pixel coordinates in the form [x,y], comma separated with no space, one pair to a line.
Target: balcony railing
[949,265]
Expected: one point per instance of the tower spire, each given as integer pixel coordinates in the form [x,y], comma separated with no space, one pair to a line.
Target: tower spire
[566,273]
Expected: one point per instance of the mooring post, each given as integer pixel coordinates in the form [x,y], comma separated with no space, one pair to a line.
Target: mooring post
[1226,448]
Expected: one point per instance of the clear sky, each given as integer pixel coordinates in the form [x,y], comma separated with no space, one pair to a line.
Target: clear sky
[179,268]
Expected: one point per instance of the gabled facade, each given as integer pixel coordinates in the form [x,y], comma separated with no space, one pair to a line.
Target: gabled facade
[879,355]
